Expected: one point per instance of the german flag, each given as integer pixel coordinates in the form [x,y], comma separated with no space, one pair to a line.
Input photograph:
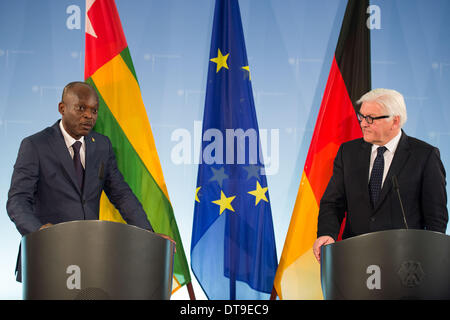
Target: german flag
[298,274]
[123,118]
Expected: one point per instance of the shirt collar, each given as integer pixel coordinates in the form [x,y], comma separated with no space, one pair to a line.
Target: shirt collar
[68,139]
[391,145]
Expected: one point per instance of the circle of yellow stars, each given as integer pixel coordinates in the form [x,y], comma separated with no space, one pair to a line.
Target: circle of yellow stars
[225,202]
[221,62]
[259,193]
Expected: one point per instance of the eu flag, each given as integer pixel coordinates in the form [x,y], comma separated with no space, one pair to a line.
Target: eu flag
[233,253]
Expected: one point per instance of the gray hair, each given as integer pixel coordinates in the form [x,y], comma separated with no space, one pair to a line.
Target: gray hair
[392,101]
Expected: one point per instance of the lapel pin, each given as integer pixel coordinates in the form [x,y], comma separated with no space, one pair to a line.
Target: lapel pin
[93,140]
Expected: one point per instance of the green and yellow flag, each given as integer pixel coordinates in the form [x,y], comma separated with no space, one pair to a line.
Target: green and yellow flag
[123,118]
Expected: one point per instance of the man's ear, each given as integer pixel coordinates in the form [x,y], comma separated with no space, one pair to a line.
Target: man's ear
[396,122]
[61,108]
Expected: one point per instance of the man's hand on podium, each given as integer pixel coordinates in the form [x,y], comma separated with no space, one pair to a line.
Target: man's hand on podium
[45,226]
[321,241]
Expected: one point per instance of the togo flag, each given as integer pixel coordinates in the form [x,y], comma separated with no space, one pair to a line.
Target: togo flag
[123,118]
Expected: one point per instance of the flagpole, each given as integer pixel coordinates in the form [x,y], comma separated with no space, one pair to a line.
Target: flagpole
[234,259]
[190,290]
[273,295]
[232,288]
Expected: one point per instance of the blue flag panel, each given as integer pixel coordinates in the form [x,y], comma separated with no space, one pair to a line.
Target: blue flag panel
[233,253]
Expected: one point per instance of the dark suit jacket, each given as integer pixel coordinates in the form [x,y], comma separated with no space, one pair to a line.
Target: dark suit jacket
[44,187]
[421,177]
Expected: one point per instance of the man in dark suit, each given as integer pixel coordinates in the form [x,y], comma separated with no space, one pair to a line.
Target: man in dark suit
[363,174]
[61,171]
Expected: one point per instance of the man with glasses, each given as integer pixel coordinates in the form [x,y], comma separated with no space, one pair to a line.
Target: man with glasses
[364,171]
[61,171]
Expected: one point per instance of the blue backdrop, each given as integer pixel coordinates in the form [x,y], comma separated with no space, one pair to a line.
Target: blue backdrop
[289,43]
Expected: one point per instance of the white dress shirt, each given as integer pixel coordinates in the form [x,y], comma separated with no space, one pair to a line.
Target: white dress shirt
[391,146]
[69,140]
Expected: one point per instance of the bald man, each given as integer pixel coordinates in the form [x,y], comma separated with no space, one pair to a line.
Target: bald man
[61,171]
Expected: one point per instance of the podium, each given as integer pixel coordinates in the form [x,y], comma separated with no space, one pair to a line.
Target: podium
[393,264]
[92,259]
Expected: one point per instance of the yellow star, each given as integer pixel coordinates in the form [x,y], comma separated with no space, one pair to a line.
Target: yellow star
[259,193]
[220,60]
[249,74]
[224,202]
[196,194]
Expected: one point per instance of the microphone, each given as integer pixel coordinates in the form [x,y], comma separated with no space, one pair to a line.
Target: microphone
[396,187]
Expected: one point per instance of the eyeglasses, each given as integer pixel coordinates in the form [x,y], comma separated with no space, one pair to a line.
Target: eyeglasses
[369,119]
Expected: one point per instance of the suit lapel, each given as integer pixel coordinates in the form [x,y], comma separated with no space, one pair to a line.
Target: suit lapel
[89,170]
[401,155]
[363,169]
[59,148]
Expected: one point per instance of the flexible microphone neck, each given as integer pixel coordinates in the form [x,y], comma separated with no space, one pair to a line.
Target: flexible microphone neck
[397,188]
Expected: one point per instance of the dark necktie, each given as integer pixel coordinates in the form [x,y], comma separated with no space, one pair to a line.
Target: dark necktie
[376,177]
[79,171]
